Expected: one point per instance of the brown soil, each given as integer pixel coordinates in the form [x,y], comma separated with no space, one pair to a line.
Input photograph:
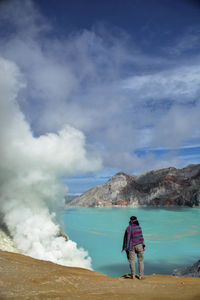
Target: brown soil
[22,277]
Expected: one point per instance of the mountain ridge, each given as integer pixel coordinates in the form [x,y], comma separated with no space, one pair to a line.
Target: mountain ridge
[163,187]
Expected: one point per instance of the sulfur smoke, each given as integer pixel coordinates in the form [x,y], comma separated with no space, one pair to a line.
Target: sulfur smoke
[30,168]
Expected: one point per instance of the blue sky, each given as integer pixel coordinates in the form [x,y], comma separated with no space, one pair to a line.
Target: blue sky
[124,73]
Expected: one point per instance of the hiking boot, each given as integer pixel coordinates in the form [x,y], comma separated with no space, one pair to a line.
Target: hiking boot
[140,277]
[132,276]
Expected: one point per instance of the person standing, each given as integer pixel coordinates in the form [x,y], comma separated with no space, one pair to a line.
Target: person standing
[133,243]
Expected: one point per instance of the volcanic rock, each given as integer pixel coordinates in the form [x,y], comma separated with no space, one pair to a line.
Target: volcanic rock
[164,187]
[191,271]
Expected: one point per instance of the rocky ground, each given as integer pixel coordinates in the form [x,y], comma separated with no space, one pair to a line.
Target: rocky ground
[22,277]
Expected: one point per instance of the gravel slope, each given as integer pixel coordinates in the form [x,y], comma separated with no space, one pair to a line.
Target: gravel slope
[22,277]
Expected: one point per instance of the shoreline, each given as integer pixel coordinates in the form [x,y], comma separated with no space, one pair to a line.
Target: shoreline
[131,206]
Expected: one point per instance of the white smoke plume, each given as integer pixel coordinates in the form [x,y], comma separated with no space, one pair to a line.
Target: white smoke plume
[29,171]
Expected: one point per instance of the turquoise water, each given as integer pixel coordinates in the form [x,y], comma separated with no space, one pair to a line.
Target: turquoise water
[172,236]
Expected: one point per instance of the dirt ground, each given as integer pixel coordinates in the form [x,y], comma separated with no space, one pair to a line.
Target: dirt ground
[22,277]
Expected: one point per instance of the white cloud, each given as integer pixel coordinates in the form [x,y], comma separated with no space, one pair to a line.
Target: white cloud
[178,125]
[101,83]
[179,85]
[190,41]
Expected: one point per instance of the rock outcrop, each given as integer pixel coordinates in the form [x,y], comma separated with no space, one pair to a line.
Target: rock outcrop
[191,271]
[22,277]
[164,187]
[69,198]
[6,242]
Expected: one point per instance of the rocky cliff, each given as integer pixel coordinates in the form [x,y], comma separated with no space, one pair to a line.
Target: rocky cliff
[164,187]
[6,242]
[191,271]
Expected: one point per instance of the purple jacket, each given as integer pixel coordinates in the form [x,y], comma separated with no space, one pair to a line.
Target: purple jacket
[132,237]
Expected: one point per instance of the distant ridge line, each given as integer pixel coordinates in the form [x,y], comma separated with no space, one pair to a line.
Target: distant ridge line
[161,187]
